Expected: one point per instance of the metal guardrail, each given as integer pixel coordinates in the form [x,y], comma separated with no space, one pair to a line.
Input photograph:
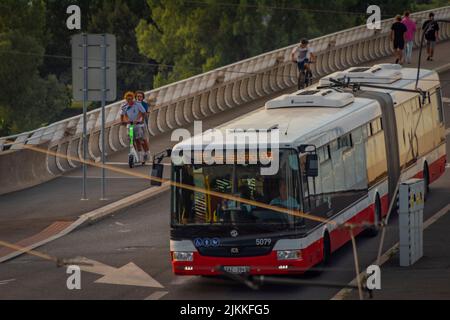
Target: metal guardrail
[179,104]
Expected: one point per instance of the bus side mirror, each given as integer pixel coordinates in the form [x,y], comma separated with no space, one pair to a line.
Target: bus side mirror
[312,165]
[157,172]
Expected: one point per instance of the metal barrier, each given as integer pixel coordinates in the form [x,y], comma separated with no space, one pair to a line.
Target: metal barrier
[179,104]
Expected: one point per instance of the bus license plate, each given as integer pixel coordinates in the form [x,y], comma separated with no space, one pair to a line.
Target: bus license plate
[237,270]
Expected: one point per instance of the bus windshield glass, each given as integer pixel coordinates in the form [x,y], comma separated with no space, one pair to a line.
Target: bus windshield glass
[197,208]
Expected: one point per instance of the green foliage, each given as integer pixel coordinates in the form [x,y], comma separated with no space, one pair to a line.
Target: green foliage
[27,100]
[119,18]
[186,37]
[200,36]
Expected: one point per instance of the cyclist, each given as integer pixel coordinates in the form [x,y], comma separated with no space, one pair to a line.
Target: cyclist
[303,55]
[133,112]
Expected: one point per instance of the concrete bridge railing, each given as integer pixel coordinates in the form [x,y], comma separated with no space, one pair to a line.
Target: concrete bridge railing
[180,104]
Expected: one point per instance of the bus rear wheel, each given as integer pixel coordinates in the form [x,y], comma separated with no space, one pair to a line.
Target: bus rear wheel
[326,250]
[372,231]
[426,179]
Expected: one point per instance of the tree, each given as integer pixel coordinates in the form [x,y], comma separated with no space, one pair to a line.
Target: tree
[119,18]
[27,100]
[195,37]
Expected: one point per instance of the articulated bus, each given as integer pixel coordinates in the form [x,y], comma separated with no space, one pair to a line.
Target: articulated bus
[360,142]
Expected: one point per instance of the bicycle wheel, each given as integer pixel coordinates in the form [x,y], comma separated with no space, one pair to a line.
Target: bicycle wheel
[308,79]
[301,80]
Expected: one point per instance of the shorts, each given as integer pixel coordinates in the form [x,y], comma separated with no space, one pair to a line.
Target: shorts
[301,64]
[399,44]
[139,132]
[431,44]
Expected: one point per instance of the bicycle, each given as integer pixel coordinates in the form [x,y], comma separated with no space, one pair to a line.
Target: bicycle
[305,77]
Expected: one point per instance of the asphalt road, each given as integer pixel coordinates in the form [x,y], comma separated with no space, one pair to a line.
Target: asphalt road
[141,236]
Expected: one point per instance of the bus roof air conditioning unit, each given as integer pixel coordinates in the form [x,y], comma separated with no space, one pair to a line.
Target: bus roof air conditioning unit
[378,74]
[312,98]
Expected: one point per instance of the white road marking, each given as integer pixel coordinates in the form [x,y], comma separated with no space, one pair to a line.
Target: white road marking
[129,275]
[446,100]
[447,166]
[341,295]
[3,282]
[157,295]
[107,178]
[149,164]
[447,132]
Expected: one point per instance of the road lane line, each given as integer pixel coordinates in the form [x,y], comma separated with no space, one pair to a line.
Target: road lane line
[341,295]
[125,164]
[157,295]
[446,100]
[107,178]
[3,282]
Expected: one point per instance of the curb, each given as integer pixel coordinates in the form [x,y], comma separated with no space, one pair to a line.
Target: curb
[443,68]
[94,216]
[129,202]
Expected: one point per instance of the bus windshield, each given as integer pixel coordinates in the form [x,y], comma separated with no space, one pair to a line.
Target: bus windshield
[195,208]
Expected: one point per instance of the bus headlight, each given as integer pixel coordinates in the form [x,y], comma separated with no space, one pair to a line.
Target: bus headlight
[289,255]
[183,256]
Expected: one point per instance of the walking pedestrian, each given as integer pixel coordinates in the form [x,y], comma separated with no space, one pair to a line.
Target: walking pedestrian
[410,35]
[431,29]
[398,34]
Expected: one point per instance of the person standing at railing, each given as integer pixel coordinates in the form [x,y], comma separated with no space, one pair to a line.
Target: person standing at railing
[140,98]
[398,37]
[410,35]
[431,29]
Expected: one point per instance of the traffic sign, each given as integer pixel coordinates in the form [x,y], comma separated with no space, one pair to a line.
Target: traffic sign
[94,63]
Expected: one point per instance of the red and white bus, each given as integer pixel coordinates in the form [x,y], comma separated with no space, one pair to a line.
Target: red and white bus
[362,141]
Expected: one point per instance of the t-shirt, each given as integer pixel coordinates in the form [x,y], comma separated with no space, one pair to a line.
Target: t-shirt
[399,31]
[302,53]
[431,33]
[411,27]
[145,105]
[132,112]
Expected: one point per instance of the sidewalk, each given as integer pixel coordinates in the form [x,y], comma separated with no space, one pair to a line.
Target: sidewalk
[428,279]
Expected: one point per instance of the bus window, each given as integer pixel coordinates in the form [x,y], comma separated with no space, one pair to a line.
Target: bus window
[206,206]
[345,141]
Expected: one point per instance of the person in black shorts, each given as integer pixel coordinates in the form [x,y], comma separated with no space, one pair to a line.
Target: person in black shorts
[398,37]
[431,29]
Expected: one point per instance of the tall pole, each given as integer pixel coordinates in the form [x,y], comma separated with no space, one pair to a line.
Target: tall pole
[104,54]
[85,98]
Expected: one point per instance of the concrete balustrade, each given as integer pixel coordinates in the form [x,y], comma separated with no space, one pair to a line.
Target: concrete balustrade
[180,104]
